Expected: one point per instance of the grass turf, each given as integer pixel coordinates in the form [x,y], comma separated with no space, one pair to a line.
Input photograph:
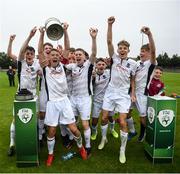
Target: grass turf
[101,161]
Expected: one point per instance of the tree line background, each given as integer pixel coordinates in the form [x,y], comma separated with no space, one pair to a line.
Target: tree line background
[168,62]
[163,60]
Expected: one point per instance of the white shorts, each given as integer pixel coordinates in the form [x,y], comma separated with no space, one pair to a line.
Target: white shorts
[141,104]
[117,102]
[97,108]
[42,100]
[59,112]
[81,106]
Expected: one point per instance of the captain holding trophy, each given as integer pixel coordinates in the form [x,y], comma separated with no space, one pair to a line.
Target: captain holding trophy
[58,107]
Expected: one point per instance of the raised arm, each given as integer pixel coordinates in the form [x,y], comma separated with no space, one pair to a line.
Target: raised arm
[132,81]
[147,31]
[109,36]
[93,33]
[66,36]
[9,49]
[25,44]
[66,40]
[42,60]
[41,40]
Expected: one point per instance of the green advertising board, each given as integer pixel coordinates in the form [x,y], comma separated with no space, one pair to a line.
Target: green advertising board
[26,133]
[160,129]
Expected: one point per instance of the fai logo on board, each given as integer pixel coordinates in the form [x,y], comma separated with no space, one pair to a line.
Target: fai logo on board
[151,114]
[25,115]
[166,117]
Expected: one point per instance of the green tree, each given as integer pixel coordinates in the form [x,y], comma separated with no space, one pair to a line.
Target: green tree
[163,60]
[175,61]
[5,61]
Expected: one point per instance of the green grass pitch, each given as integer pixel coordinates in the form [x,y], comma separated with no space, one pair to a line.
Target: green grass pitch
[101,161]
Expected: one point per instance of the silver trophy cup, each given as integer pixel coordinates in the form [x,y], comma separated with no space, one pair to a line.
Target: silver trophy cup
[54,29]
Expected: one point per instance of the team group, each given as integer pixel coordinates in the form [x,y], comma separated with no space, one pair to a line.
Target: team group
[72,82]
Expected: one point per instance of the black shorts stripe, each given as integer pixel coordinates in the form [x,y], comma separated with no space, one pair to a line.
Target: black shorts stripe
[90,70]
[19,66]
[46,87]
[150,71]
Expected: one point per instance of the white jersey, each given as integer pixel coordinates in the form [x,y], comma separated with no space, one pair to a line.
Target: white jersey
[100,85]
[55,83]
[143,75]
[81,78]
[28,75]
[121,71]
[69,81]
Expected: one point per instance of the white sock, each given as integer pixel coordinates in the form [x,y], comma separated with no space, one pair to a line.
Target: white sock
[12,134]
[130,123]
[87,135]
[104,130]
[78,141]
[124,136]
[41,127]
[50,144]
[112,125]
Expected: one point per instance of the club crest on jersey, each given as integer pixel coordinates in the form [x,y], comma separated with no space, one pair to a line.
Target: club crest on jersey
[166,117]
[142,64]
[30,69]
[140,67]
[158,85]
[25,115]
[104,76]
[150,114]
[128,65]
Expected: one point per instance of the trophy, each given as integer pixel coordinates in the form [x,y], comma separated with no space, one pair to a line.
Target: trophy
[54,29]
